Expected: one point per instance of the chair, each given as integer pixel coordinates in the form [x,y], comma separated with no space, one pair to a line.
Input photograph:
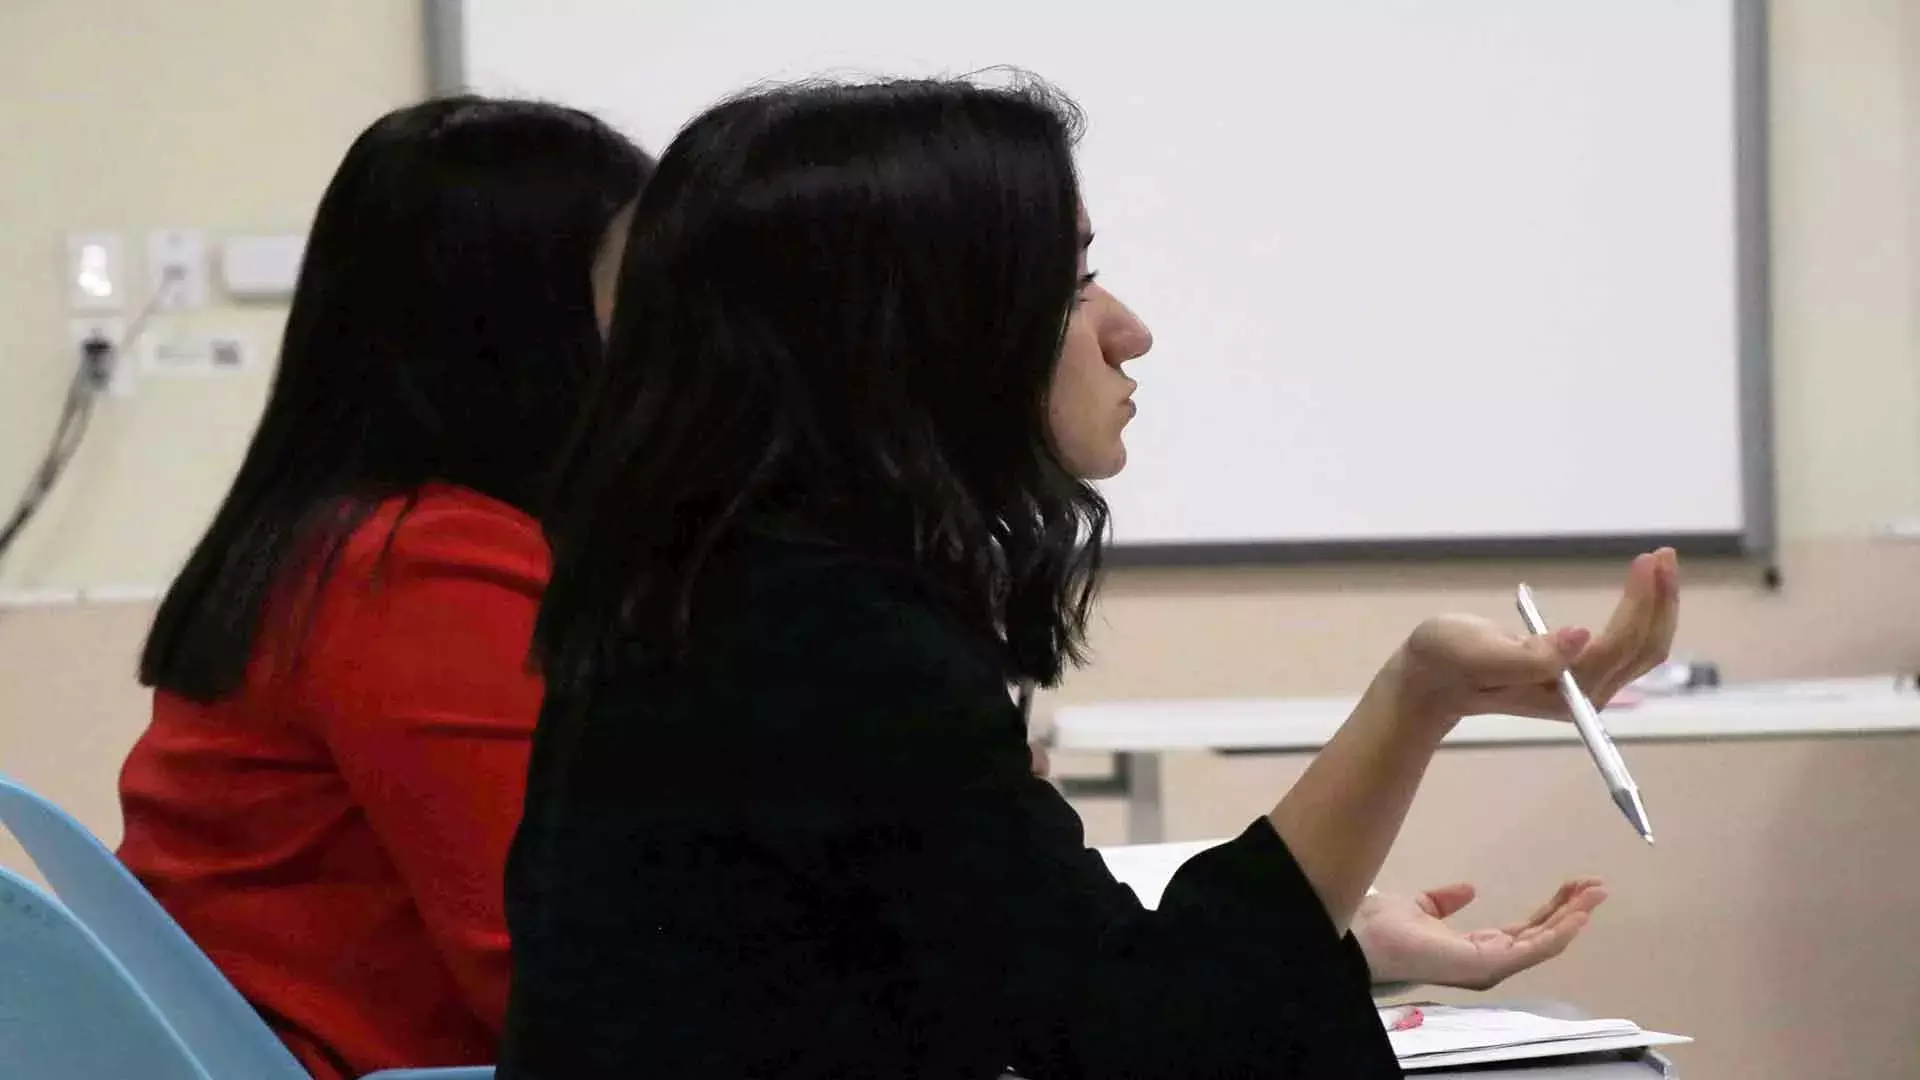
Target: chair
[218,1026]
[68,1010]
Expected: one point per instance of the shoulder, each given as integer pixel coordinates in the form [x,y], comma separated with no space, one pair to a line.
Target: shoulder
[445,575]
[834,607]
[807,667]
[444,531]
[429,607]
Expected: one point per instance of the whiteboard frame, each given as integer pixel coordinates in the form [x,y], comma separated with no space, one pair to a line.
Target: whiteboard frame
[444,24]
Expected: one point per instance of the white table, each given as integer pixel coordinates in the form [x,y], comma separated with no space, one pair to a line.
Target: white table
[1137,733]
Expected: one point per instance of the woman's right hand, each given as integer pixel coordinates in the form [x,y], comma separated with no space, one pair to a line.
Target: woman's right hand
[1455,666]
[1341,817]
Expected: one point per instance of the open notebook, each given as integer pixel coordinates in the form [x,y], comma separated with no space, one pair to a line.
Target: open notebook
[1450,1036]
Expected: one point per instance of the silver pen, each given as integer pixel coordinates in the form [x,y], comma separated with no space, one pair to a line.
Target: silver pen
[1626,794]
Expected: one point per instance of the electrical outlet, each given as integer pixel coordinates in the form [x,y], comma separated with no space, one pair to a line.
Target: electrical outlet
[113,330]
[229,352]
[188,354]
[177,268]
[95,275]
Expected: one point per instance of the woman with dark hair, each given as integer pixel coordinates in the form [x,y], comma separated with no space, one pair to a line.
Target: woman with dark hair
[343,706]
[829,498]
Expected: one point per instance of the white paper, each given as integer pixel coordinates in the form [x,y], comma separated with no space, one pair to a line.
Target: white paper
[1450,1035]
[1445,1029]
[1558,1048]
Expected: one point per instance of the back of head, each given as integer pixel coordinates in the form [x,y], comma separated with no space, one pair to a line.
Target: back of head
[841,306]
[442,330]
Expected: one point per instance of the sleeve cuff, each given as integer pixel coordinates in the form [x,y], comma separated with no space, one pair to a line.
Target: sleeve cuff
[1254,882]
[1357,959]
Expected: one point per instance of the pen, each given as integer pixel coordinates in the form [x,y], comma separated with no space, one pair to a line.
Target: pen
[1626,795]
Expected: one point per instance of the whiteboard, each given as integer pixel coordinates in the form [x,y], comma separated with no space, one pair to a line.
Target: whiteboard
[1466,272]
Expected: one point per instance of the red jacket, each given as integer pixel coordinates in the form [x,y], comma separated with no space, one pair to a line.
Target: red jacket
[334,833]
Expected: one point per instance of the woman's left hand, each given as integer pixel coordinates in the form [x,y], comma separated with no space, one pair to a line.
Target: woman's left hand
[1406,940]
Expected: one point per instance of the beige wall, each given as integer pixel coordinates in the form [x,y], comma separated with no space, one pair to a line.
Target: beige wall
[1847,386]
[1780,904]
[226,115]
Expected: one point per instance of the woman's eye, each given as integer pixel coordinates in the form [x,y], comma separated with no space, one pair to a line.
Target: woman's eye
[1086,282]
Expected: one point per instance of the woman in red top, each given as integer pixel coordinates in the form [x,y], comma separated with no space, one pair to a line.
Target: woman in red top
[343,705]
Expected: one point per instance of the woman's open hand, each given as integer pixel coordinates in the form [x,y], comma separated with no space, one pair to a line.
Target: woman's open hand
[1406,938]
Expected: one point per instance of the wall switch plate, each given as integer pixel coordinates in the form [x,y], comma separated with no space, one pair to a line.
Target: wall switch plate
[113,330]
[95,273]
[170,355]
[263,267]
[177,268]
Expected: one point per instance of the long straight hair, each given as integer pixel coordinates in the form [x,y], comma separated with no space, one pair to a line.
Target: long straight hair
[442,330]
[842,306]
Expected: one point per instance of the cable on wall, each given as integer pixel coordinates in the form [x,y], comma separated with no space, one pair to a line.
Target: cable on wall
[93,370]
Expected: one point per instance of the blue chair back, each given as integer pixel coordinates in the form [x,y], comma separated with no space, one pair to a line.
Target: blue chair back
[68,1010]
[193,996]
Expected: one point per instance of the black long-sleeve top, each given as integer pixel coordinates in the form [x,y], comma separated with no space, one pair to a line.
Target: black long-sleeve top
[815,849]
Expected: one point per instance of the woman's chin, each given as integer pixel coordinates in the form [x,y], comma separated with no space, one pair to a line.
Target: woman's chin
[1107,465]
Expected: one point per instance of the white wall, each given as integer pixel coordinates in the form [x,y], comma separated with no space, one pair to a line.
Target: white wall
[229,114]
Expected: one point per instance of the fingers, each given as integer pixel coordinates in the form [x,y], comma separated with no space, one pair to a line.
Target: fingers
[1555,923]
[1545,943]
[1639,634]
[1669,621]
[1580,894]
[1446,900]
[1664,622]
[1599,671]
[1498,954]
[1558,901]
[1589,899]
